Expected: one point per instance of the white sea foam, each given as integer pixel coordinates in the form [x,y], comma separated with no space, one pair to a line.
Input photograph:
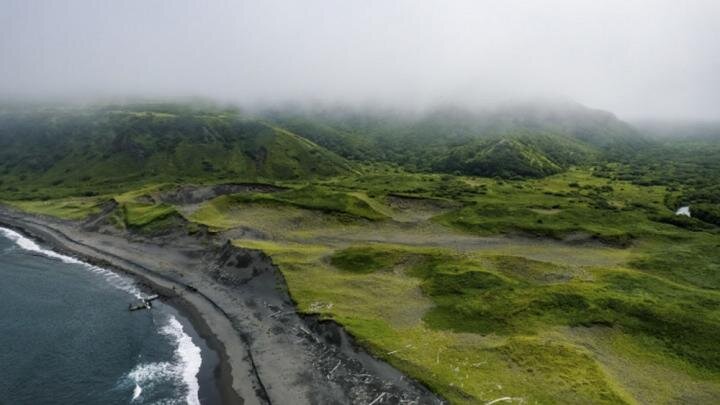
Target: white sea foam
[150,373]
[114,279]
[184,368]
[188,359]
[136,392]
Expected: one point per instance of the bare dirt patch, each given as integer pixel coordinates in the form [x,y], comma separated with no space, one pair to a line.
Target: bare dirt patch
[188,195]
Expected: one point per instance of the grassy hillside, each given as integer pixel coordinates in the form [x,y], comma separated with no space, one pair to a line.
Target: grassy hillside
[517,141]
[97,149]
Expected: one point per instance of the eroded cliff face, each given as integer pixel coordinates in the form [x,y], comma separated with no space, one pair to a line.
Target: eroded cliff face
[236,267]
[184,195]
[319,359]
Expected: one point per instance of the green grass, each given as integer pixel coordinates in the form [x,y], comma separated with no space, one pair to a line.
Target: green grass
[466,323]
[74,208]
[470,298]
[512,299]
[562,206]
[382,294]
[371,258]
[681,322]
[692,258]
[317,198]
[363,260]
[100,150]
[275,211]
[138,215]
[454,140]
[530,271]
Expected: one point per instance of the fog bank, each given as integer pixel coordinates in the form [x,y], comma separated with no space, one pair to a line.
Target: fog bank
[639,59]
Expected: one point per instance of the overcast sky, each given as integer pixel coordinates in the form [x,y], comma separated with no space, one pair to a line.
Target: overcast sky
[638,59]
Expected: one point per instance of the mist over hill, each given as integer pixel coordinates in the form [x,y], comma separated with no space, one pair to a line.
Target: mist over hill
[682,129]
[525,140]
[101,146]
[120,143]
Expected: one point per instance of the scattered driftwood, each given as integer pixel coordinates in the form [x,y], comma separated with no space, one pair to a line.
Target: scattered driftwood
[334,368]
[379,398]
[307,332]
[278,314]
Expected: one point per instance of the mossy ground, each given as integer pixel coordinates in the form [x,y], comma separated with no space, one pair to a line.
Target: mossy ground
[568,289]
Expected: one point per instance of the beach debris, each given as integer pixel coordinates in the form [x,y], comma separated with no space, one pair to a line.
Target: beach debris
[309,334]
[334,368]
[281,313]
[379,398]
[144,303]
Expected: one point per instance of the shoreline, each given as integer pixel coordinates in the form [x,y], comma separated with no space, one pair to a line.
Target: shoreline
[223,372]
[237,301]
[208,378]
[169,296]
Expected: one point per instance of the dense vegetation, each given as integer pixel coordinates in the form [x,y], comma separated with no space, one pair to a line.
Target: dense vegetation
[530,255]
[97,149]
[520,141]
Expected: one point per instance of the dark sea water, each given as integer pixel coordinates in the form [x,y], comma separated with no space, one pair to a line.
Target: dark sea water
[67,337]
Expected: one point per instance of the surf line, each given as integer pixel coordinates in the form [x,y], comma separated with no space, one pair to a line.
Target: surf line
[188,355]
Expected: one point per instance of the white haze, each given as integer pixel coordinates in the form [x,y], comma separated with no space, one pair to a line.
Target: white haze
[639,59]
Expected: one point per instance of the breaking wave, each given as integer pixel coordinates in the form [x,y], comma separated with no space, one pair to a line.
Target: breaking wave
[187,359]
[183,369]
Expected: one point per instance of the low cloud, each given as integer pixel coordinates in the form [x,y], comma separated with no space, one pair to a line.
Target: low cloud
[640,59]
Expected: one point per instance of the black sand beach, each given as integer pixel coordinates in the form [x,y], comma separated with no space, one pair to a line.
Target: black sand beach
[238,302]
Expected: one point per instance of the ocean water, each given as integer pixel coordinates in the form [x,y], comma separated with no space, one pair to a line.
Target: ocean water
[67,337]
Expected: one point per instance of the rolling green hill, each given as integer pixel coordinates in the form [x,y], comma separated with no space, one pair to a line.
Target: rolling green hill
[97,148]
[515,141]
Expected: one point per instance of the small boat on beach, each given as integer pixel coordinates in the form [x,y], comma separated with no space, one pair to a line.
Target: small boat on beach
[144,303]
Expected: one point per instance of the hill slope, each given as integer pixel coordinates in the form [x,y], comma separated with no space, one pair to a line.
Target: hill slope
[538,139]
[113,145]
